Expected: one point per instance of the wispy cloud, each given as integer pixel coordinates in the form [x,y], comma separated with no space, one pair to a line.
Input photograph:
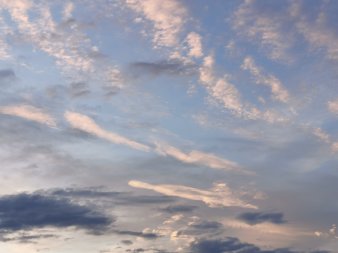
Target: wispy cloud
[194,41]
[226,94]
[29,112]
[220,88]
[333,106]
[199,158]
[218,196]
[316,30]
[86,124]
[264,28]
[167,17]
[278,91]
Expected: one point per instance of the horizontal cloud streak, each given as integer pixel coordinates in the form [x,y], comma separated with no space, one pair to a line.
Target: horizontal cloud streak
[86,124]
[199,158]
[219,196]
[29,112]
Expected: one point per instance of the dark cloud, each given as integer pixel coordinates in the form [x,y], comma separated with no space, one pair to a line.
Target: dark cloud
[231,245]
[127,242]
[202,228]
[145,250]
[161,68]
[25,238]
[29,211]
[78,89]
[150,236]
[179,209]
[207,225]
[6,75]
[254,218]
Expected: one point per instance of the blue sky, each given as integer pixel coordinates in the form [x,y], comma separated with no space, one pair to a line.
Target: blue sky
[168,126]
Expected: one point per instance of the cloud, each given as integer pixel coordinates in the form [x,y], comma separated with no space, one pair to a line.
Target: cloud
[6,75]
[225,93]
[27,238]
[199,158]
[277,28]
[118,198]
[253,218]
[207,225]
[29,112]
[79,89]
[179,209]
[315,30]
[86,124]
[161,67]
[127,242]
[194,42]
[64,45]
[197,229]
[231,244]
[219,88]
[150,236]
[63,40]
[167,17]
[4,47]
[333,106]
[219,196]
[263,25]
[30,211]
[278,91]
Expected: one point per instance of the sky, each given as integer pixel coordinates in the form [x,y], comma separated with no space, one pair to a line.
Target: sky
[166,126]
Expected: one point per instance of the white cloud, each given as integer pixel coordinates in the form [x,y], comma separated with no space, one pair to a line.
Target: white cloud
[333,106]
[318,132]
[167,18]
[264,28]
[4,48]
[86,124]
[64,41]
[198,157]
[219,88]
[44,33]
[278,91]
[316,31]
[218,196]
[194,41]
[67,11]
[226,94]
[29,112]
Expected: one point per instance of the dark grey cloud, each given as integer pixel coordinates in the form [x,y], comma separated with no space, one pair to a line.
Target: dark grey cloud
[179,209]
[127,242]
[24,212]
[163,67]
[6,75]
[26,238]
[231,245]
[202,228]
[78,89]
[150,236]
[254,218]
[147,250]
[214,225]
